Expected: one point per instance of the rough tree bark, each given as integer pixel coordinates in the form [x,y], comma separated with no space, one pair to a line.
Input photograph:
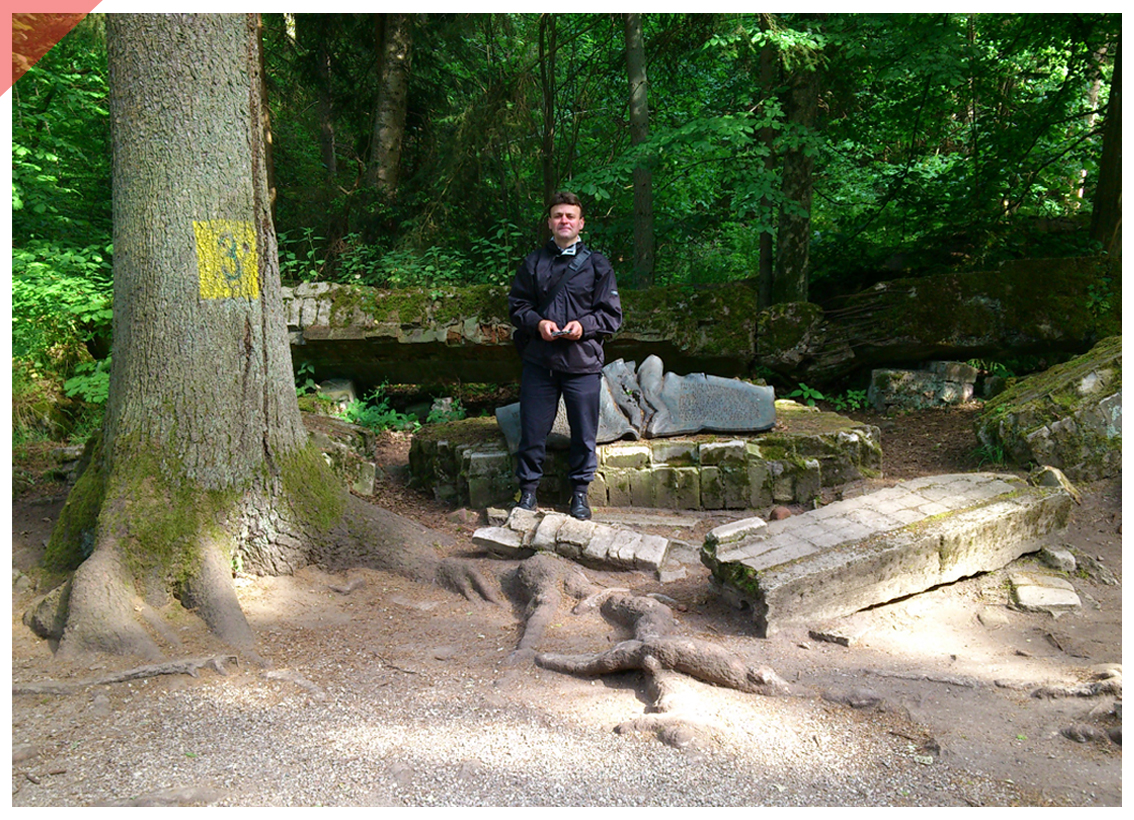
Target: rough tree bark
[1106,220]
[203,458]
[639,132]
[395,44]
[548,49]
[793,244]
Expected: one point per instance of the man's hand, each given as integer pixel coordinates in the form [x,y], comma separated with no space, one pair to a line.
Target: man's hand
[550,331]
[573,332]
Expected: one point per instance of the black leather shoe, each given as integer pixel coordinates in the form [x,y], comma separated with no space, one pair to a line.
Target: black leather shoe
[579,506]
[527,501]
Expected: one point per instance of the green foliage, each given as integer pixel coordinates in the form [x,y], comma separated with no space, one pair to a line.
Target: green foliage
[442,413]
[1098,297]
[850,400]
[305,379]
[808,395]
[375,412]
[989,454]
[91,381]
[301,255]
[60,299]
[941,139]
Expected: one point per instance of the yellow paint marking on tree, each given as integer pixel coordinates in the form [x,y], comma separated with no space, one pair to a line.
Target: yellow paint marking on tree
[226,259]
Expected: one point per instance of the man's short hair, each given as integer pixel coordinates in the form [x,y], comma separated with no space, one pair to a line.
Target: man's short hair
[565,198]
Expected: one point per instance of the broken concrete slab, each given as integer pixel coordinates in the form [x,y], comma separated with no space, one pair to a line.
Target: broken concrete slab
[590,542]
[1042,592]
[500,541]
[875,548]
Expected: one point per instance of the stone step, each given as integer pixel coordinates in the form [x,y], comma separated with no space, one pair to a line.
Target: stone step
[875,548]
[588,542]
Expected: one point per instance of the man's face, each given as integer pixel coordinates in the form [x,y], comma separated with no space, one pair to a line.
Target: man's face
[565,223]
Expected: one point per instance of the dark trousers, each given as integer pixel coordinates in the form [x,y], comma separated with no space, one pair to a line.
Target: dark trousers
[540,389]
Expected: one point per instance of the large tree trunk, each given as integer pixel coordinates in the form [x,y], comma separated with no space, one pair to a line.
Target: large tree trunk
[1106,220]
[395,45]
[768,71]
[639,132]
[793,252]
[203,458]
[548,47]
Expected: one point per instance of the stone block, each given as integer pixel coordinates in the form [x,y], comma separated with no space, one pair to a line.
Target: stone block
[759,483]
[626,455]
[500,541]
[790,579]
[547,531]
[523,522]
[487,463]
[650,552]
[618,487]
[674,452]
[574,534]
[624,547]
[676,488]
[712,488]
[1058,558]
[643,491]
[718,453]
[597,550]
[1039,592]
[954,371]
[596,492]
[736,488]
[736,531]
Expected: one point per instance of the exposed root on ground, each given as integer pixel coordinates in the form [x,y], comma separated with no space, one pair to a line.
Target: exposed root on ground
[667,660]
[186,666]
[539,583]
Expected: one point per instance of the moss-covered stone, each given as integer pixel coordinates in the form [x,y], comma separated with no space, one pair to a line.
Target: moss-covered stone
[809,450]
[1069,416]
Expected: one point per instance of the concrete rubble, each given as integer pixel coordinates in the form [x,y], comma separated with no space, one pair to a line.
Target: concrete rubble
[904,539]
[588,542]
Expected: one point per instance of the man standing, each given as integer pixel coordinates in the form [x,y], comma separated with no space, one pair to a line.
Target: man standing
[564,303]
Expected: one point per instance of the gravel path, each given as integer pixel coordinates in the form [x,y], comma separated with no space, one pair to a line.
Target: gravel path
[399,695]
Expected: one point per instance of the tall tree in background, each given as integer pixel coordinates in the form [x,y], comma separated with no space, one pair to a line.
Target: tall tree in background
[793,241]
[548,50]
[395,44]
[203,458]
[1106,219]
[639,133]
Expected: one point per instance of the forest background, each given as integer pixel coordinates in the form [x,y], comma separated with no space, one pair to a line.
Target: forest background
[812,154]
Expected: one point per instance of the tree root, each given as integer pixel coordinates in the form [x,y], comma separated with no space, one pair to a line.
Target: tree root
[187,666]
[666,660]
[540,582]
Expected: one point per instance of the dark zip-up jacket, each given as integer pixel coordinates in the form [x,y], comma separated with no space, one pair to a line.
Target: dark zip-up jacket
[590,297]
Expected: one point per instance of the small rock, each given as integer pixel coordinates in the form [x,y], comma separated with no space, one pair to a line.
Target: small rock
[779,513]
[1084,733]
[465,517]
[100,705]
[671,571]
[1054,477]
[856,698]
[992,617]
[1058,558]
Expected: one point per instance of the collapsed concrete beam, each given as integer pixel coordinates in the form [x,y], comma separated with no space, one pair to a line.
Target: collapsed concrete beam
[869,550]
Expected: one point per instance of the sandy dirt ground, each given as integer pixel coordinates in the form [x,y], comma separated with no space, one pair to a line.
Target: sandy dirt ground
[382,691]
